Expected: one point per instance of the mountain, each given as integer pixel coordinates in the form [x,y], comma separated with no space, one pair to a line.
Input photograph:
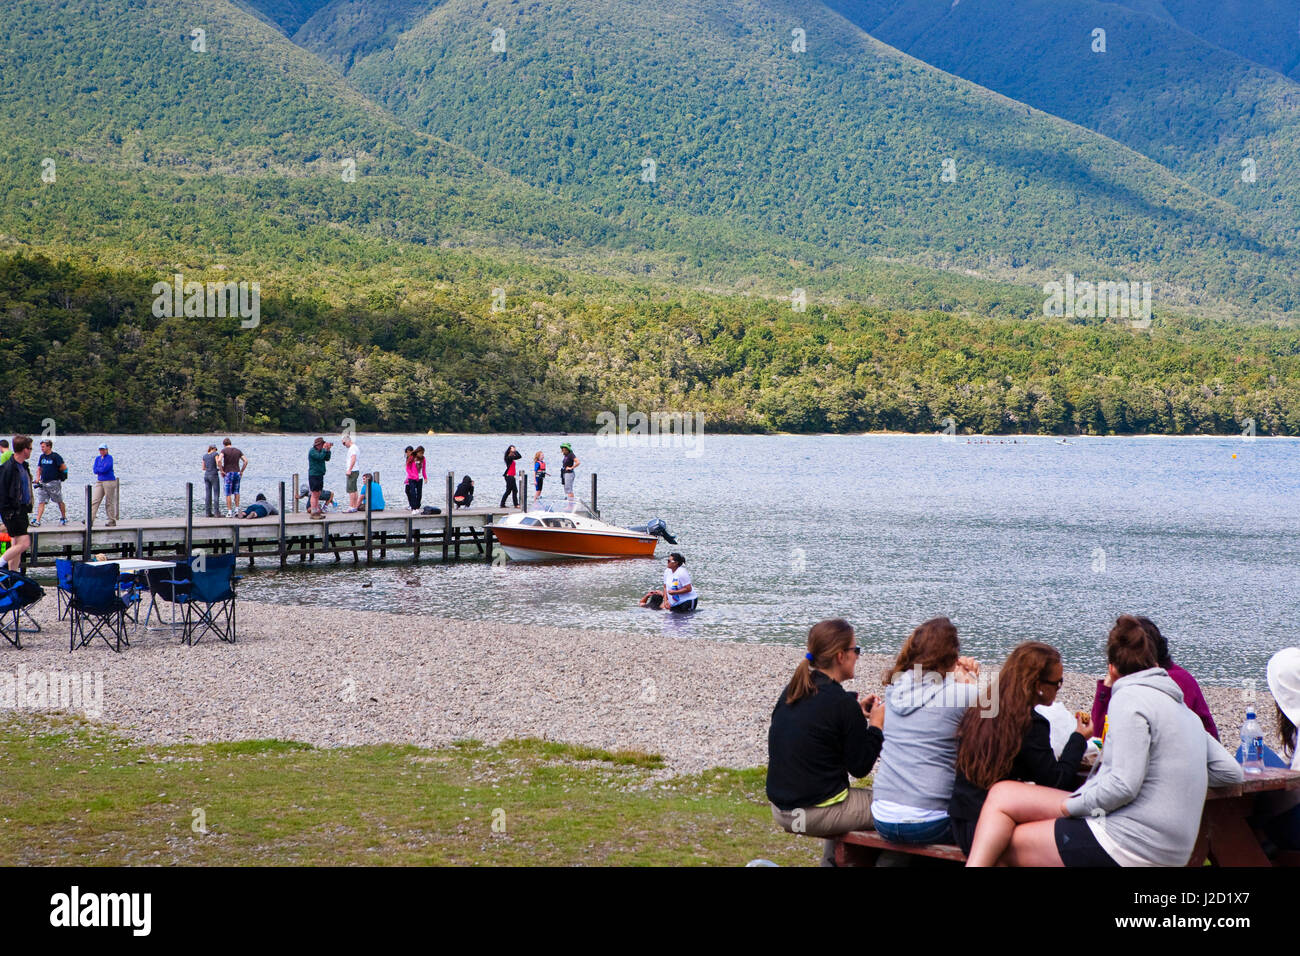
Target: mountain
[648,110]
[1264,31]
[179,150]
[1224,124]
[287,15]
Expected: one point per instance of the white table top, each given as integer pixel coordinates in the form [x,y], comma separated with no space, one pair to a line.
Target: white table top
[138,564]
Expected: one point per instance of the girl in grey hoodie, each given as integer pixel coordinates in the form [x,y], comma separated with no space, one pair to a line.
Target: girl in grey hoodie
[1143,808]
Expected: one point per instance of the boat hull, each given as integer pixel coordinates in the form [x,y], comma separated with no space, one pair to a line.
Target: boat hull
[538,544]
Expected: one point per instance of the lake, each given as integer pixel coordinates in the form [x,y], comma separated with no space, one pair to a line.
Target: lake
[1013,539]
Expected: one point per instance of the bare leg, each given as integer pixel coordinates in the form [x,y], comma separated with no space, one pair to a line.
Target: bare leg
[1009,804]
[14,556]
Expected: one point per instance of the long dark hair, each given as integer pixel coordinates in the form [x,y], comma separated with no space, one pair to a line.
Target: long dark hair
[1158,640]
[990,735]
[507,455]
[1287,730]
[932,647]
[825,640]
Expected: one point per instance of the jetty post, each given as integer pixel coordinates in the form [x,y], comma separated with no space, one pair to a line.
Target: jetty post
[295,494]
[370,555]
[446,524]
[85,547]
[594,506]
[283,554]
[189,520]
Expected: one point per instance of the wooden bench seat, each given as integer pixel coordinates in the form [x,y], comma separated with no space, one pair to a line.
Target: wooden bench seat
[863,848]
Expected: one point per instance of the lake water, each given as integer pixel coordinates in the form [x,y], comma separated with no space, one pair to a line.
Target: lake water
[1031,539]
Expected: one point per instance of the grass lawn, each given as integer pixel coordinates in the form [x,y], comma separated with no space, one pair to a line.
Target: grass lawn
[72,792]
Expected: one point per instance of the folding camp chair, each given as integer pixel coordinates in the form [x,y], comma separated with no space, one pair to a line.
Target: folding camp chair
[18,592]
[208,599]
[162,584]
[95,601]
[63,578]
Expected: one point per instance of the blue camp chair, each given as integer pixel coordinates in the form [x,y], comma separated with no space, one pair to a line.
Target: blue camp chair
[95,601]
[18,592]
[63,577]
[208,598]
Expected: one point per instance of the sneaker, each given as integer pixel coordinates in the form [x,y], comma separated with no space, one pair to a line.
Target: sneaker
[33,524]
[350,511]
[63,521]
[417,511]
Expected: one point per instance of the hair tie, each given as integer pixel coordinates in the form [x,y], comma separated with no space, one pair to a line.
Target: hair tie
[809,658]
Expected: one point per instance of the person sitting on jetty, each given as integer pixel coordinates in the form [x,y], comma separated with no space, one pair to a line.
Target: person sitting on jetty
[260,508]
[678,593]
[928,690]
[1004,737]
[464,494]
[326,499]
[820,734]
[373,491]
[1278,814]
[1143,807]
[1192,695]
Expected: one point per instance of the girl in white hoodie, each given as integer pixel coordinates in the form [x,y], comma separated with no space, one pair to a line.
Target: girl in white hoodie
[1143,808]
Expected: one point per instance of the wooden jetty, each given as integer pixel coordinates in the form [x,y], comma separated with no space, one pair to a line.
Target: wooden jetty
[367,535]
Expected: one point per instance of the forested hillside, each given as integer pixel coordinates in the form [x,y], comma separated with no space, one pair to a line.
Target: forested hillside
[1176,96]
[842,145]
[83,347]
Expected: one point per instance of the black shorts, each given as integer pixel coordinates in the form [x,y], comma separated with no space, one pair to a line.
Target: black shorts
[15,523]
[316,482]
[1077,845]
[683,607]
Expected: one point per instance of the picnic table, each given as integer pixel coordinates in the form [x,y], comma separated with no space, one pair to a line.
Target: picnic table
[1226,837]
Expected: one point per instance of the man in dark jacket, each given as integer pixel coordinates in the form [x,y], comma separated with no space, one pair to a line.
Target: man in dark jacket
[16,500]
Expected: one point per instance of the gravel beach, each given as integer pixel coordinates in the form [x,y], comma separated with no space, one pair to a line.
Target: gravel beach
[336,678]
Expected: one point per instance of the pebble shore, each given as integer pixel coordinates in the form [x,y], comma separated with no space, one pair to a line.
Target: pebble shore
[334,677]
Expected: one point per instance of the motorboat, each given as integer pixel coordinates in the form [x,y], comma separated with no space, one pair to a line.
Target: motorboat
[570,529]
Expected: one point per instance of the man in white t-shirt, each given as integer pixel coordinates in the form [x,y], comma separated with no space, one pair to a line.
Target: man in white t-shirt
[679,594]
[352,470]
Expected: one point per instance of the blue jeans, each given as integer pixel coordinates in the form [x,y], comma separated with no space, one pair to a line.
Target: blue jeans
[940,831]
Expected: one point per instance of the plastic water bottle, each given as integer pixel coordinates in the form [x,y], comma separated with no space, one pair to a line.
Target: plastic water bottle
[1252,745]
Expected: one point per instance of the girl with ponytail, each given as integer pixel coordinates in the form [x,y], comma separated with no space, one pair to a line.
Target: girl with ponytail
[821,734]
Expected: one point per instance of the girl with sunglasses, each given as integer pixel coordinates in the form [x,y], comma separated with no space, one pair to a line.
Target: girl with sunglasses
[1005,738]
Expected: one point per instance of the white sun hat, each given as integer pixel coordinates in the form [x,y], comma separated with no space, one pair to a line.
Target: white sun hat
[1284,682]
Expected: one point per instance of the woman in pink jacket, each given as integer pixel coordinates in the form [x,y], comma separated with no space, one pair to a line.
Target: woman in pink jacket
[416,475]
[1192,695]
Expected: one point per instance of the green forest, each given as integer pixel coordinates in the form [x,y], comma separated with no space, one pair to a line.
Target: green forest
[83,347]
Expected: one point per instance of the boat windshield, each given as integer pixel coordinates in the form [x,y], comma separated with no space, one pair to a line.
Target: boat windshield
[564,507]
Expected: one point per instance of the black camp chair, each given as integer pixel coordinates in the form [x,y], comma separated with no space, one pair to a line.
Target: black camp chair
[162,584]
[18,592]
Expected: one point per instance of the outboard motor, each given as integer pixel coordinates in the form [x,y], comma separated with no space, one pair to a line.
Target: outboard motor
[656,526]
